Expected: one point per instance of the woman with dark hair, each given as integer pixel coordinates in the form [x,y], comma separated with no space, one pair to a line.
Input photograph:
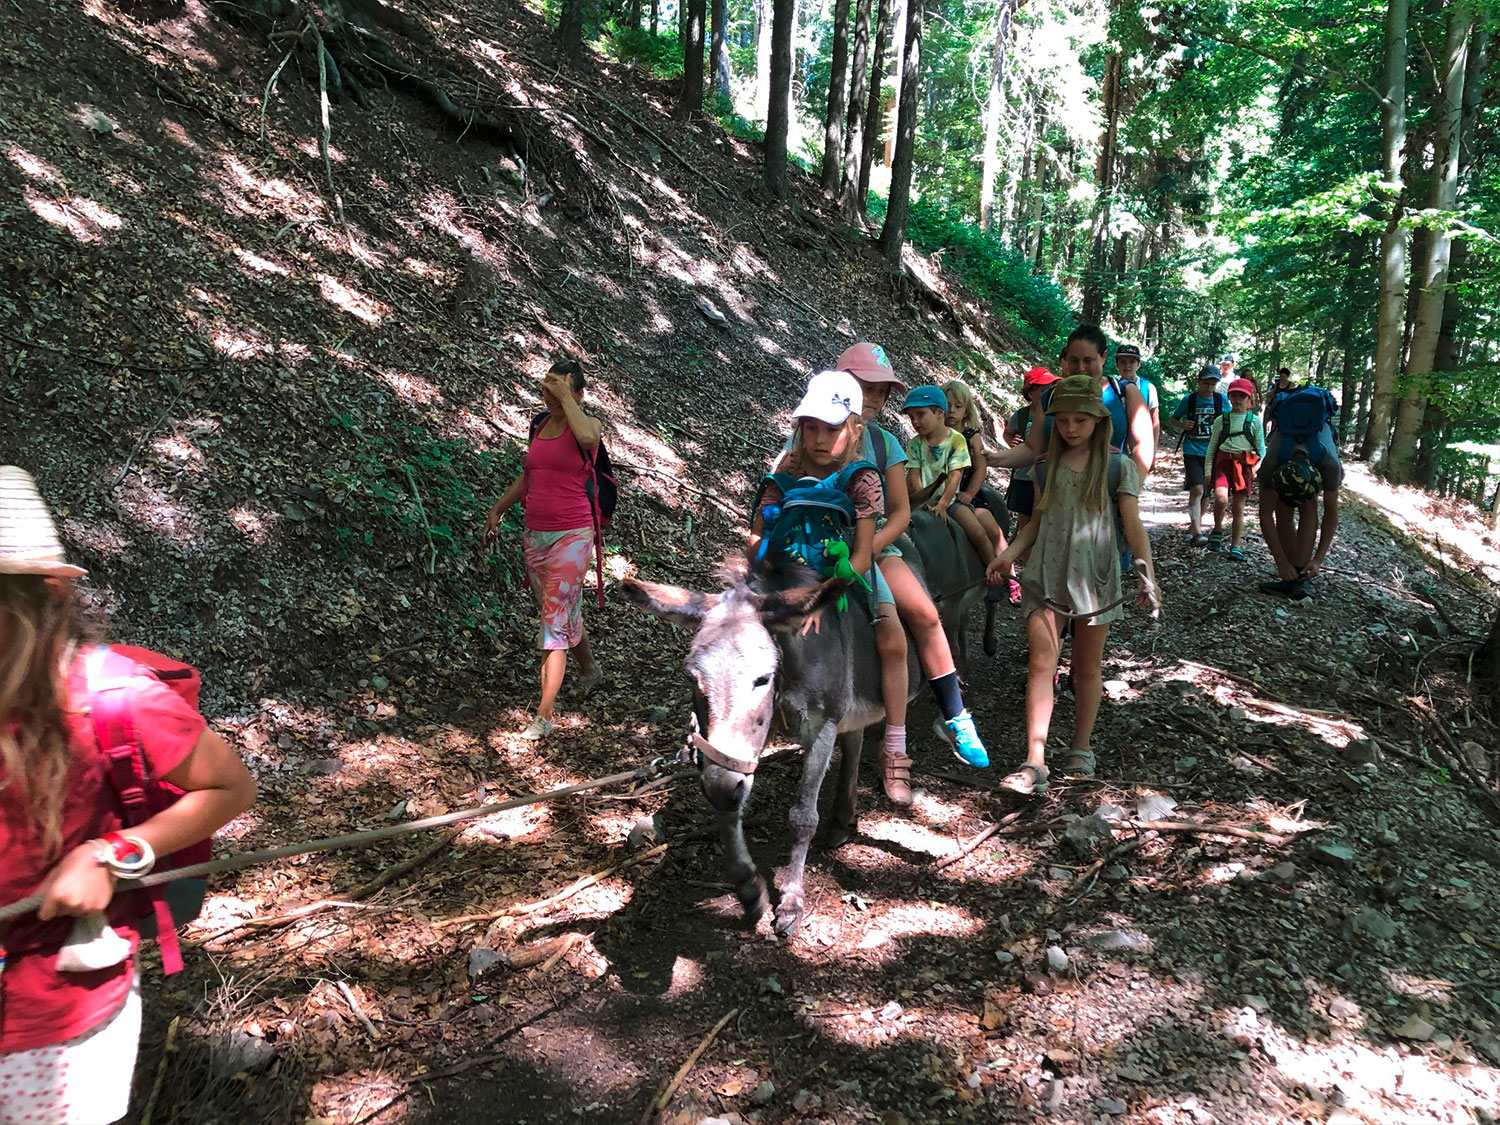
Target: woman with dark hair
[559,534]
[70,1006]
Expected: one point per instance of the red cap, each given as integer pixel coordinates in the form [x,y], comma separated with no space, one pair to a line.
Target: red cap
[1037,377]
[1242,386]
[870,363]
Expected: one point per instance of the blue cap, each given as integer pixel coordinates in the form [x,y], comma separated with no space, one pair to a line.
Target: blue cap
[925,396]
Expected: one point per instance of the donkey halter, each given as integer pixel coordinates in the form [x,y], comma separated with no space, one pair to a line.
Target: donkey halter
[707,750]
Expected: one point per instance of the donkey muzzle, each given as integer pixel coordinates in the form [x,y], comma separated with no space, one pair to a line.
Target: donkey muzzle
[707,751]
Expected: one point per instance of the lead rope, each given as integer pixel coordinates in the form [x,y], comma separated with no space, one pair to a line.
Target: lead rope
[653,769]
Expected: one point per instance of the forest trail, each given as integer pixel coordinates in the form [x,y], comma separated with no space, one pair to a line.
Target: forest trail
[272,431]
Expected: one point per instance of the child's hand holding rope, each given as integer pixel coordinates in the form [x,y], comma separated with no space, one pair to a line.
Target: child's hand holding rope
[1150,596]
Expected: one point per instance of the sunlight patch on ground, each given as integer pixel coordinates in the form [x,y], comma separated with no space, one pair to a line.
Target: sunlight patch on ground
[259,264]
[238,346]
[252,526]
[1415,512]
[96,538]
[351,300]
[84,219]
[33,165]
[912,920]
[248,194]
[907,834]
[411,388]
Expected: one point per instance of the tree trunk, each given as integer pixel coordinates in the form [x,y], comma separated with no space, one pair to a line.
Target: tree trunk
[655,18]
[883,31]
[633,19]
[720,51]
[1392,274]
[833,118]
[1448,113]
[570,31]
[854,132]
[1366,394]
[1039,215]
[1104,177]
[783,12]
[763,37]
[1435,430]
[898,56]
[992,118]
[893,234]
[1348,388]
[690,105]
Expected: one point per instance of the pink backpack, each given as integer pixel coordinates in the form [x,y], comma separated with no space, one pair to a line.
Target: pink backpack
[112,672]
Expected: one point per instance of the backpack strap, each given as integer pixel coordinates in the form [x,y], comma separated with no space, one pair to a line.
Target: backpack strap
[1127,439]
[109,687]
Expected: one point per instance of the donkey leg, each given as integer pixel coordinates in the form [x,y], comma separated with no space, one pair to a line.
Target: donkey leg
[728,800]
[846,800]
[804,821]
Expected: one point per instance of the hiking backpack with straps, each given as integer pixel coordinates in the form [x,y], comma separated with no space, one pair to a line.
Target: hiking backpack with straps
[602,492]
[113,674]
[1303,415]
[814,514]
[1127,442]
[1247,431]
[1221,406]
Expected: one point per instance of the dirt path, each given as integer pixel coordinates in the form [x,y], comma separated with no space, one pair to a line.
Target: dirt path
[1156,977]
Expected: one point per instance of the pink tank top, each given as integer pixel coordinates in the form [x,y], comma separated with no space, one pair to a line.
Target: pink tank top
[555,474]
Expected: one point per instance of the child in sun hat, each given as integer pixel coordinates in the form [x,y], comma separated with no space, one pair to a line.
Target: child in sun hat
[70,1007]
[1074,571]
[1235,446]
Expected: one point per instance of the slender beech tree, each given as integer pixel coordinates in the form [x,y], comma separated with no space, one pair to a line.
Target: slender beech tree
[763,37]
[570,31]
[854,133]
[833,117]
[1391,289]
[898,209]
[1104,181]
[719,50]
[883,30]
[778,114]
[691,103]
[1448,114]
[992,117]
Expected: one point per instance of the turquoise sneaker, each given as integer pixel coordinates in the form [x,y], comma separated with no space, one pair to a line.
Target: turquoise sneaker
[959,733]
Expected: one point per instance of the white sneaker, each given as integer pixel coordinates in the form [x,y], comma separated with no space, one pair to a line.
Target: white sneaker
[539,729]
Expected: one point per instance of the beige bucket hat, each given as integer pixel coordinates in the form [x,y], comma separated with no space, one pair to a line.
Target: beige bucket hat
[28,537]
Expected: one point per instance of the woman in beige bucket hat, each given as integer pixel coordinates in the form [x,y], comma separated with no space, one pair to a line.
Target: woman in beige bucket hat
[70,1006]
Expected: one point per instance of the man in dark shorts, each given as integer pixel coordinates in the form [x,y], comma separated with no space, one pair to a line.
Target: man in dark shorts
[1301,464]
[1195,416]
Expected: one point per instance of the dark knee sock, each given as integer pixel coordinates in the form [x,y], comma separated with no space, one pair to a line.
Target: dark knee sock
[950,700]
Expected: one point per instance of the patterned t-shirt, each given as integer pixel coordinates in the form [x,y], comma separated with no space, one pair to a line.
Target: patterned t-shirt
[934,462]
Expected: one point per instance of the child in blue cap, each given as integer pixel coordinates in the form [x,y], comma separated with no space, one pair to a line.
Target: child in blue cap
[935,462]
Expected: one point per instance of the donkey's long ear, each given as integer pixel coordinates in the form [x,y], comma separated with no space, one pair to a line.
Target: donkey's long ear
[671,603]
[788,609]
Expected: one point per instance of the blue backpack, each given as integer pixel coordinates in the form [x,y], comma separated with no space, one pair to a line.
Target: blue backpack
[814,523]
[1302,416]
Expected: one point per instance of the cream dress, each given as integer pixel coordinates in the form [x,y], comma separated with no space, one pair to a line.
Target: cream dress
[1076,559]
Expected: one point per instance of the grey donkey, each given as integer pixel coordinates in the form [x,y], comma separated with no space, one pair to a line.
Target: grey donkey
[752,654]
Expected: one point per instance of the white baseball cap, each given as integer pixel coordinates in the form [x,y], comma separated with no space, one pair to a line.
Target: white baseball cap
[831,397]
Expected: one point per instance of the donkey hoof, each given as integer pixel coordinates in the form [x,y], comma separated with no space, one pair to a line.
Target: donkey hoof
[754,900]
[788,916]
[838,836]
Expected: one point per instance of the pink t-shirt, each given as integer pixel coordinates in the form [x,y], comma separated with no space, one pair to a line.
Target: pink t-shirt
[555,474]
[40,1006]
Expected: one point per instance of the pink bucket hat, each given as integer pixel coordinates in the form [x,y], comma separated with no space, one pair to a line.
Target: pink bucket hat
[28,537]
[870,363]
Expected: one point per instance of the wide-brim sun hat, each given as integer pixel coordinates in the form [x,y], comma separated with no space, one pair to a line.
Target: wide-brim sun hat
[1038,377]
[28,537]
[869,363]
[925,396]
[831,396]
[1077,394]
[1242,387]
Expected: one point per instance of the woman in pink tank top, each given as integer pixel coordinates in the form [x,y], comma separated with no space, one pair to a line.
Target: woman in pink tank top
[559,535]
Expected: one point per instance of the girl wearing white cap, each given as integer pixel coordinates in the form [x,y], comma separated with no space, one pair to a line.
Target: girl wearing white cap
[69,1022]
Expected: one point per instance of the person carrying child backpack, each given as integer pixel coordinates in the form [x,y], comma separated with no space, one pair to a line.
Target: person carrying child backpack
[1235,446]
[1301,466]
[1074,571]
[70,1008]
[567,493]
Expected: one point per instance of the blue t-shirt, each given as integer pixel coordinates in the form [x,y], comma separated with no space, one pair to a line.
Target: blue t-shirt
[1202,411]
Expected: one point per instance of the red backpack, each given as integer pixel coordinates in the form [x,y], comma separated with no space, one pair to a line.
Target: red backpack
[112,674]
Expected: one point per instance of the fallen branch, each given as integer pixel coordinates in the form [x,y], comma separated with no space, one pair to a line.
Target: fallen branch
[1008,818]
[422,512]
[151,429]
[568,943]
[1091,872]
[659,1103]
[161,1071]
[568,892]
[803,305]
[1270,839]
[100,361]
[265,102]
[323,100]
[348,994]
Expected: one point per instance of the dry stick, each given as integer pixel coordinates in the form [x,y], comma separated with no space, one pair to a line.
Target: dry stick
[633,119]
[552,900]
[100,361]
[333,843]
[1091,872]
[1269,839]
[266,101]
[323,100]
[1008,818]
[422,512]
[659,1103]
[349,999]
[151,429]
[161,1071]
[568,943]
[800,304]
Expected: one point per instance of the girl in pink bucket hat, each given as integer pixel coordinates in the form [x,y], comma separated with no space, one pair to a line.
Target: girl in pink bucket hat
[70,1005]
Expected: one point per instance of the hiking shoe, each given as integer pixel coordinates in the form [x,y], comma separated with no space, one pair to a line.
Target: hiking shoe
[1301,591]
[895,777]
[1237,554]
[1015,592]
[959,733]
[539,729]
[1284,589]
[1216,540]
[1196,540]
